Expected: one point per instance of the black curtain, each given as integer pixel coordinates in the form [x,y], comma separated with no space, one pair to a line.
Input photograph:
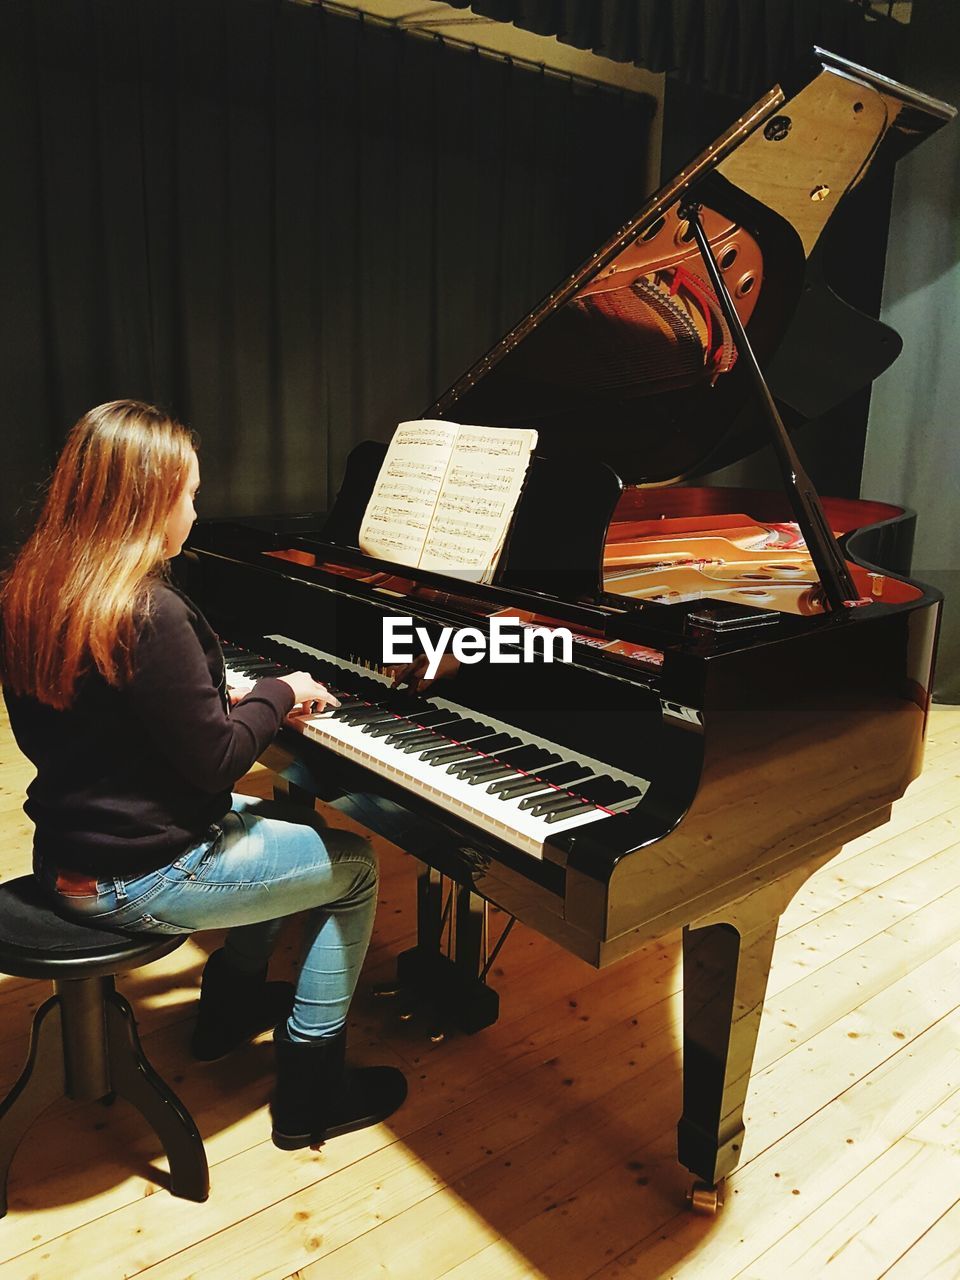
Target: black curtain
[735,47]
[290,228]
[913,442]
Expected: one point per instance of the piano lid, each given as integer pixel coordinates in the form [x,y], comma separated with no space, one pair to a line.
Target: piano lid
[631,352]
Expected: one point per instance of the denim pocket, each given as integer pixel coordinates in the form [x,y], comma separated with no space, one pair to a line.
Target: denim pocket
[190,865]
[122,916]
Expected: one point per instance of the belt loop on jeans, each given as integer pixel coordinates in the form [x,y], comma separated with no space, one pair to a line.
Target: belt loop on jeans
[120,889]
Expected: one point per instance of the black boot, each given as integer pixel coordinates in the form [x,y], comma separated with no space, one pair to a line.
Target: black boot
[235,1006]
[318,1096]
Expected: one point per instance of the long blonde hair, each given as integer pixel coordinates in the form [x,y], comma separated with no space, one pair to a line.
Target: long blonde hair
[73,597]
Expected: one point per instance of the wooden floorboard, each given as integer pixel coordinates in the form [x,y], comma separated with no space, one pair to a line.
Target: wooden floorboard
[545,1146]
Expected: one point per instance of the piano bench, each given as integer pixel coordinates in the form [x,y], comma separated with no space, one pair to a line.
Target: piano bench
[84,1043]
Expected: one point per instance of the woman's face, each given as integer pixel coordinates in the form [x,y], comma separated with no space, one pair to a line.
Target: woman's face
[181,518]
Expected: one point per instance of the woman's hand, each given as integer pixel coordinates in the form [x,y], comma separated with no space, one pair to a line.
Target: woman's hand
[308,695]
[414,674]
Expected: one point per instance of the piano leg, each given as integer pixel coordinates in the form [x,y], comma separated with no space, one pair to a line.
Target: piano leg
[453,983]
[724,982]
[726,964]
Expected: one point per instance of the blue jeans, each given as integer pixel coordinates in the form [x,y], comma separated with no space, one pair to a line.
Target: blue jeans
[262,861]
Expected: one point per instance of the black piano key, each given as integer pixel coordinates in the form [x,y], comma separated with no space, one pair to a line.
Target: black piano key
[439,750]
[513,762]
[484,749]
[461,745]
[493,760]
[248,665]
[456,753]
[558,781]
[415,742]
[407,720]
[487,772]
[383,728]
[347,705]
[514,788]
[386,710]
[389,722]
[531,797]
[564,772]
[444,740]
[479,750]
[477,770]
[455,736]
[560,800]
[544,804]
[478,741]
[596,792]
[558,775]
[367,716]
[568,810]
[520,773]
[491,743]
[431,719]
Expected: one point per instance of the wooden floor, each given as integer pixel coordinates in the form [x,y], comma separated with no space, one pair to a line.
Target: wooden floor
[544,1147]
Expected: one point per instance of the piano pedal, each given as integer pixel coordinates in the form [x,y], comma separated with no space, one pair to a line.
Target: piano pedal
[705,1199]
[386,991]
[437,1035]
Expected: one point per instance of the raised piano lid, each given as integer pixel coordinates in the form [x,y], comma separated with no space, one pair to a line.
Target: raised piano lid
[630,354]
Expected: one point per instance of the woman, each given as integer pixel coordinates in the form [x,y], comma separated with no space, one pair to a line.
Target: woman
[115,688]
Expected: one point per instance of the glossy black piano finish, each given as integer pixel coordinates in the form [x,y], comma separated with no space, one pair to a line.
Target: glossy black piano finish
[765,752]
[762,727]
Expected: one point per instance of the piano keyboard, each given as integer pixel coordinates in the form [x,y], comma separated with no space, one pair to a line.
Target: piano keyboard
[510,783]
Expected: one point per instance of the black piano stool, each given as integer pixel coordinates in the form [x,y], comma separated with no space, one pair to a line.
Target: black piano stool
[84,1041]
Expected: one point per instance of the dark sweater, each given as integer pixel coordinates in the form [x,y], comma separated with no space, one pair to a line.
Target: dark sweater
[129,778]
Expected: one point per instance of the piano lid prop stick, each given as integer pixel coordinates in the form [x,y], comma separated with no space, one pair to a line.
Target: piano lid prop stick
[838,586]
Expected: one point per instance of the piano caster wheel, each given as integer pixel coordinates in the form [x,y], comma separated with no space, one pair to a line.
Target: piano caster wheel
[704,1199]
[437,1036]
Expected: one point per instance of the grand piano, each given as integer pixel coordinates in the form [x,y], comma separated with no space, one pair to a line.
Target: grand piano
[750,671]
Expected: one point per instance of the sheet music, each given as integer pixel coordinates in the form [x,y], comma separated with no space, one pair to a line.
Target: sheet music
[445,496]
[477,500]
[402,504]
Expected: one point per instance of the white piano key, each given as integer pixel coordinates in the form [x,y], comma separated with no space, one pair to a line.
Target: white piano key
[501,818]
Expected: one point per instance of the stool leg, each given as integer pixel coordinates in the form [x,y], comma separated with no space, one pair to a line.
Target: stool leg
[41,1082]
[83,1024]
[133,1078]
